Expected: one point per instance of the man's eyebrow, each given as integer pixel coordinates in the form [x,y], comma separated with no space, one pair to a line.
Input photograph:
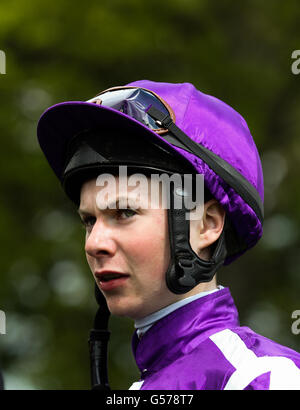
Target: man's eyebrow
[82,212]
[115,203]
[112,204]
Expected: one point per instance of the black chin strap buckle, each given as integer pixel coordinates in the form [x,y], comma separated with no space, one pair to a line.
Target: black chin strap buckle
[187,268]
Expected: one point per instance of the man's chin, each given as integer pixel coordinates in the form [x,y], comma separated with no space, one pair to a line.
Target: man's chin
[133,312]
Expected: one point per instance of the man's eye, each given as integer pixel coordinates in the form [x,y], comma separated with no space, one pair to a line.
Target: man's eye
[126,213]
[88,221]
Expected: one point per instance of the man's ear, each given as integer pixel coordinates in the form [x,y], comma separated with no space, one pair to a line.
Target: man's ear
[205,232]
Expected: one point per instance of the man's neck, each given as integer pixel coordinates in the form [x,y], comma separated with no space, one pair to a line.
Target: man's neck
[142,325]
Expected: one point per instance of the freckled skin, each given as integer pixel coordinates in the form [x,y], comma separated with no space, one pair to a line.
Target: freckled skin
[137,245]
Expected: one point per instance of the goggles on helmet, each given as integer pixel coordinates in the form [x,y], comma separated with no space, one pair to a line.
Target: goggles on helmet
[135,102]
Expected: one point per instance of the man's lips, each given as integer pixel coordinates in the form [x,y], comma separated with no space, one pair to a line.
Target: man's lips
[104,276]
[110,279]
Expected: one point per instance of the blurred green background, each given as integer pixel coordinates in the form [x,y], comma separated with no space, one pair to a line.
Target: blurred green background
[63,50]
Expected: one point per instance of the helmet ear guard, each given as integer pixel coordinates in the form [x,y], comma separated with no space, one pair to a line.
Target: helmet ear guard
[186,268]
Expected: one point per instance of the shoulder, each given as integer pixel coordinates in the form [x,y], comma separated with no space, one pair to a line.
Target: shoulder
[258,362]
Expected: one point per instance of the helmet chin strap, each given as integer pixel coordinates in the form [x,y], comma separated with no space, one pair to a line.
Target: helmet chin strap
[98,344]
[186,268]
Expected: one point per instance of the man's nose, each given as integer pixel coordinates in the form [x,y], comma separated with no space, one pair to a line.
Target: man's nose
[99,241]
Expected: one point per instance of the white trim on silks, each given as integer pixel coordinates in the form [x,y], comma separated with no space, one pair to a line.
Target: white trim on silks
[285,375]
[136,385]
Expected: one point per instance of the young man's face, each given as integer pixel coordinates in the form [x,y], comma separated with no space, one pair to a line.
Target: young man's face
[127,246]
[133,243]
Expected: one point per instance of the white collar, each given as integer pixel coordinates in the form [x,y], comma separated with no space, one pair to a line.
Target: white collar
[142,325]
